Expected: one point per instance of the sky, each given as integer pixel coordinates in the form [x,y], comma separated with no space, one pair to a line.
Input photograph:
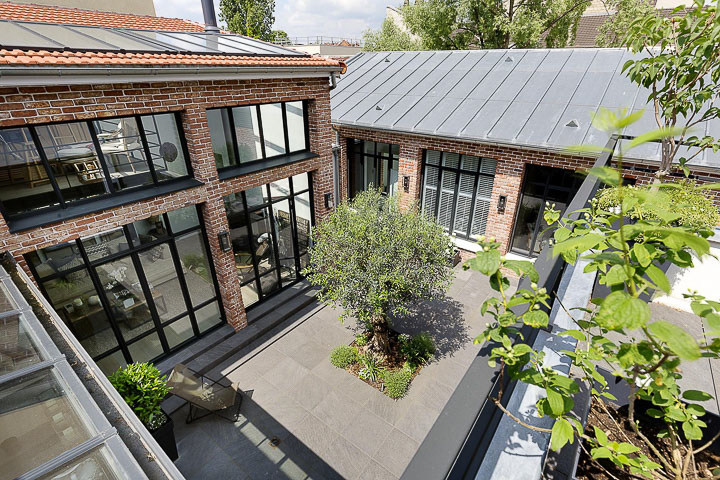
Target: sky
[300,18]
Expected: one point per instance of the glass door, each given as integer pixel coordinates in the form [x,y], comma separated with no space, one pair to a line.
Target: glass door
[542,185]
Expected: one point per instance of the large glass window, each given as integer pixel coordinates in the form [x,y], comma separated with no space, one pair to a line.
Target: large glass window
[250,133]
[270,230]
[136,292]
[57,165]
[372,164]
[457,190]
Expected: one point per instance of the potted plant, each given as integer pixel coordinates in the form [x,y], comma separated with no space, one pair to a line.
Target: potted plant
[144,388]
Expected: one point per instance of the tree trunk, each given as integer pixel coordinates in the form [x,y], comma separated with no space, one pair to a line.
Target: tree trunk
[380,343]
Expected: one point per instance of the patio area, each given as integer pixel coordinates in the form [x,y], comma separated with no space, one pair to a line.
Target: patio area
[303,418]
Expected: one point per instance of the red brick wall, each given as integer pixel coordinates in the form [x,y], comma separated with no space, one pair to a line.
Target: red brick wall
[31,105]
[508,175]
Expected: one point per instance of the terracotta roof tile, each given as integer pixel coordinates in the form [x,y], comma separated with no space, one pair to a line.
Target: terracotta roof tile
[76,16]
[44,57]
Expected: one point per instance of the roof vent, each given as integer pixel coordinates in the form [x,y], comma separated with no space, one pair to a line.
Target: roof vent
[573,124]
[509,59]
[387,59]
[378,107]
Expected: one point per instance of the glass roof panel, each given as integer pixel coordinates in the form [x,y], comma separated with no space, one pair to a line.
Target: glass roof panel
[97,464]
[39,420]
[182,44]
[7,302]
[67,36]
[122,42]
[13,35]
[208,42]
[17,349]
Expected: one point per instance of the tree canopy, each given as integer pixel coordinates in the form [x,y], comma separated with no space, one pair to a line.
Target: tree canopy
[252,18]
[389,38]
[681,69]
[372,259]
[460,24]
[613,32]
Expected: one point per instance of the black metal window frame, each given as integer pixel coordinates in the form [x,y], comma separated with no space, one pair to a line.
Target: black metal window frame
[241,168]
[441,170]
[132,251]
[268,205]
[356,155]
[64,210]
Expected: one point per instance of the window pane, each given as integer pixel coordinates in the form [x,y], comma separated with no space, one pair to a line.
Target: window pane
[463,204]
[166,149]
[221,137]
[429,194]
[286,248]
[183,218]
[370,174]
[303,217]
[262,239]
[162,278]
[247,133]
[368,147]
[178,331]
[392,187]
[295,125]
[451,160]
[208,316]
[125,297]
[383,149]
[105,244]
[273,131]
[395,150]
[280,188]
[91,466]
[196,267]
[239,236]
[300,182]
[148,230]
[56,259]
[432,157]
[249,293]
[447,197]
[24,183]
[146,349]
[17,350]
[256,196]
[123,151]
[38,421]
[71,153]
[112,362]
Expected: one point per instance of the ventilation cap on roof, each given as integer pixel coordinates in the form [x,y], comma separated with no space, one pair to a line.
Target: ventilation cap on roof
[378,107]
[573,124]
[387,59]
[509,59]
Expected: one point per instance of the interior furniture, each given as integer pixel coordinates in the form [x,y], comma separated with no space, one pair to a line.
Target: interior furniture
[203,393]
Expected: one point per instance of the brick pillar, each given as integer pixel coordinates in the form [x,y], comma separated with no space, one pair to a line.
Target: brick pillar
[410,165]
[508,181]
[321,138]
[197,134]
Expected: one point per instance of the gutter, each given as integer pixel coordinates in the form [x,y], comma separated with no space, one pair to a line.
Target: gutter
[55,75]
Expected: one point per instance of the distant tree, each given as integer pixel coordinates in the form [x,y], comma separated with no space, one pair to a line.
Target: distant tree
[681,69]
[612,33]
[371,258]
[280,36]
[252,18]
[460,24]
[389,38]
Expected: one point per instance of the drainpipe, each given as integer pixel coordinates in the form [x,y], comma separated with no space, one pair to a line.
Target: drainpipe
[333,81]
[209,15]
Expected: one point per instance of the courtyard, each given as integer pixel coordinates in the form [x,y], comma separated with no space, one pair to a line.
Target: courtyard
[303,418]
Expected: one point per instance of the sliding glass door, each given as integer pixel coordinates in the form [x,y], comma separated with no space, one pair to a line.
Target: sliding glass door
[372,163]
[270,232]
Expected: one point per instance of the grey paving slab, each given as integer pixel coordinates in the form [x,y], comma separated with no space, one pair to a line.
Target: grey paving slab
[336,410]
[347,459]
[396,451]
[417,421]
[310,390]
[374,471]
[367,431]
[286,373]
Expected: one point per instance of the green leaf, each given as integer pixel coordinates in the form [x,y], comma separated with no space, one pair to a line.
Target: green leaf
[626,448]
[555,401]
[616,275]
[619,310]
[523,267]
[696,395]
[659,278]
[608,175]
[602,452]
[484,262]
[576,334]
[562,433]
[581,243]
[713,321]
[677,339]
[536,319]
[641,254]
[691,430]
[601,436]
[676,414]
[700,309]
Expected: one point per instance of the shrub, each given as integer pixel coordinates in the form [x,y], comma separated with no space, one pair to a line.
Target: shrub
[343,356]
[396,383]
[409,366]
[695,208]
[361,339]
[371,368]
[144,389]
[418,349]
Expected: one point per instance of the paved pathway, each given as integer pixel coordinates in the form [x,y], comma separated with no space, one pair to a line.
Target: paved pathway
[329,423]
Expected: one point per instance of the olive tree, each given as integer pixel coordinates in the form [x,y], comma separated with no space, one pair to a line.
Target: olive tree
[371,258]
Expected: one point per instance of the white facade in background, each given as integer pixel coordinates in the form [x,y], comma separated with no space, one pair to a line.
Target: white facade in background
[327,50]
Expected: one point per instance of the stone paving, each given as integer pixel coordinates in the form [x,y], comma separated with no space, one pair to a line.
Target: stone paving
[330,424]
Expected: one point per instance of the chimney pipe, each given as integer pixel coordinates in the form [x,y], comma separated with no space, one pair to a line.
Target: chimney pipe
[209,15]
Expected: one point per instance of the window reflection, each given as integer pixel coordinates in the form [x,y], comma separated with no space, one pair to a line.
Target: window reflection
[273,132]
[247,133]
[166,149]
[221,137]
[295,126]
[373,164]
[124,153]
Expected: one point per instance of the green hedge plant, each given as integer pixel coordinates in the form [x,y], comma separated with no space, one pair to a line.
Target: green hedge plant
[397,382]
[343,356]
[417,350]
[143,388]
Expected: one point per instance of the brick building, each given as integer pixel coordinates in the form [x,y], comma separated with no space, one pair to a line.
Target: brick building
[479,138]
[156,180]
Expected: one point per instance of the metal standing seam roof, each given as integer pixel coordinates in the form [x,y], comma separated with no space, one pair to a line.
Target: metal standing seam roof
[541,99]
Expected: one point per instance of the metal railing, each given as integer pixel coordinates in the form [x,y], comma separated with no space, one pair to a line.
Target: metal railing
[321,40]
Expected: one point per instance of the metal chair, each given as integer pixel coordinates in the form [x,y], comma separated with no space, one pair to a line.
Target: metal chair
[203,393]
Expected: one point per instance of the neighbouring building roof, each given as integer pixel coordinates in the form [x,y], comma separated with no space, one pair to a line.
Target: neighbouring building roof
[39,36]
[541,99]
[588,25]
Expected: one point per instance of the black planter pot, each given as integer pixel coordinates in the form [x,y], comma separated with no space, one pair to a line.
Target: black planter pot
[165,436]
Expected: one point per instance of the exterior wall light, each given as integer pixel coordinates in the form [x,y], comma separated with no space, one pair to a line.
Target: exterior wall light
[406,183]
[329,200]
[502,201]
[224,238]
